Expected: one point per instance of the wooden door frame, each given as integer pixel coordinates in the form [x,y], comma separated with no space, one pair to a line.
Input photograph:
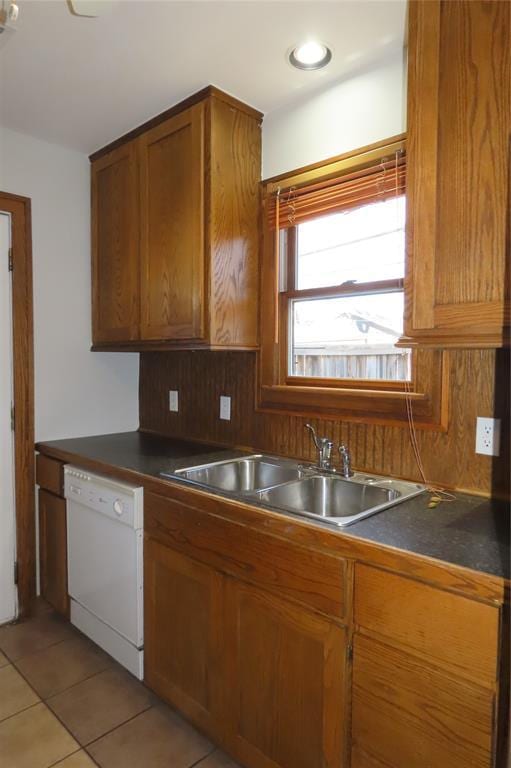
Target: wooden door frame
[19,209]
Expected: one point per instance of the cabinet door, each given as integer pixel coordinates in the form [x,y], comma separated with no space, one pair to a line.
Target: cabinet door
[115,246]
[182,622]
[406,713]
[287,675]
[53,550]
[172,227]
[459,124]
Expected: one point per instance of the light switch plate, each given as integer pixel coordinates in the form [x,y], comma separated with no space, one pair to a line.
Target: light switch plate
[173,400]
[488,436]
[225,407]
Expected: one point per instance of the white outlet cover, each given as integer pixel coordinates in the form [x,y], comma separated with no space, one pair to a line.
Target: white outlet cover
[488,436]
[225,408]
[173,400]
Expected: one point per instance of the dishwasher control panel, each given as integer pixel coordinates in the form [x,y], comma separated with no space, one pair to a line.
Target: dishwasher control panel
[118,501]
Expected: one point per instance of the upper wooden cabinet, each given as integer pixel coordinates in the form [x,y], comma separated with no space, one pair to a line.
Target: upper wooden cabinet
[175,208]
[459,124]
[115,237]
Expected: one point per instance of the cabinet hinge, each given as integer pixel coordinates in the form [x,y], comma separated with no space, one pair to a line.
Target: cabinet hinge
[12,418]
[16,572]
[350,650]
[10,261]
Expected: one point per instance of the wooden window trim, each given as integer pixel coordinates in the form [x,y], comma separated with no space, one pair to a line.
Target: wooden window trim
[346,399]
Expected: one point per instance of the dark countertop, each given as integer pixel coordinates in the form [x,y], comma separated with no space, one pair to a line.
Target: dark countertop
[470,532]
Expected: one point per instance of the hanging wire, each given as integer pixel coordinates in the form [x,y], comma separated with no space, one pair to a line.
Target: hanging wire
[438,494]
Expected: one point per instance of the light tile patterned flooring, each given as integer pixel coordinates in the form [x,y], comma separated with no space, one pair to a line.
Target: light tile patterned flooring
[66,703]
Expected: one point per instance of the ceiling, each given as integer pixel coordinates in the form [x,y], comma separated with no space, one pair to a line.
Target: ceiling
[82,82]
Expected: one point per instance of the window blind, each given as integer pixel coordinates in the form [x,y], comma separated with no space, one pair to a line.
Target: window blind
[384,179]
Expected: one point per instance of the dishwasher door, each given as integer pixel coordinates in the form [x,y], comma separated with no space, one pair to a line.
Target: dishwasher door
[105,551]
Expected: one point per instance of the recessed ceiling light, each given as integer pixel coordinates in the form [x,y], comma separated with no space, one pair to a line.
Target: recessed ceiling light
[310,55]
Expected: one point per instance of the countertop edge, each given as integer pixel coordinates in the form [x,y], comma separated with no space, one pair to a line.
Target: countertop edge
[495,588]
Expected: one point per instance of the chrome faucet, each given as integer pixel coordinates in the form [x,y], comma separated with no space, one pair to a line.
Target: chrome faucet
[346,469]
[325,463]
[324,446]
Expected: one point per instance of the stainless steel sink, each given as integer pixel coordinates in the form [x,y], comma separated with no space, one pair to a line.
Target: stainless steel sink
[243,475]
[290,487]
[337,500]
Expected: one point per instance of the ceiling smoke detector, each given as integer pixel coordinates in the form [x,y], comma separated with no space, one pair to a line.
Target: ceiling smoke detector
[310,55]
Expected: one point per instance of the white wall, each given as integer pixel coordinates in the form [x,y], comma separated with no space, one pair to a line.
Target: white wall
[360,110]
[77,392]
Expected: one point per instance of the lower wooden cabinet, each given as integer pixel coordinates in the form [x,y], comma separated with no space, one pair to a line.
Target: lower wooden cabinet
[182,643]
[264,676]
[250,649]
[53,550]
[286,668]
[408,714]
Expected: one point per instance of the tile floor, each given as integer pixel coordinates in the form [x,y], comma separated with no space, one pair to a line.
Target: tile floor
[66,703]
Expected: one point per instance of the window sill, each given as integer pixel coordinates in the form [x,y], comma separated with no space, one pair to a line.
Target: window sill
[372,406]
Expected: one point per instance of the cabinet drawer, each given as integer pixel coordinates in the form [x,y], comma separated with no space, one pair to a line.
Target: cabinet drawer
[451,631]
[313,578]
[49,474]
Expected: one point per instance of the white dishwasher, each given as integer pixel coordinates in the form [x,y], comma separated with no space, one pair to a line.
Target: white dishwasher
[105,563]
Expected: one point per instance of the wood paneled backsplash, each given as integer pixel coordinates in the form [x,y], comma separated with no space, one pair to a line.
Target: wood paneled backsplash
[449,457]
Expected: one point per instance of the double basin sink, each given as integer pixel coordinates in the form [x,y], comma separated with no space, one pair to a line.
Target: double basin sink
[300,489]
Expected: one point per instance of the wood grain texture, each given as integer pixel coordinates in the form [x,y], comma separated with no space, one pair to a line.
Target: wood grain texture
[234,174]
[182,619]
[448,457]
[53,551]
[19,209]
[190,101]
[451,632]
[459,124]
[115,246]
[286,682]
[315,579]
[49,474]
[407,714]
[172,227]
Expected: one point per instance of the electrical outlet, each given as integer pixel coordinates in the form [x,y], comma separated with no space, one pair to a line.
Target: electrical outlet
[488,436]
[173,400]
[225,408]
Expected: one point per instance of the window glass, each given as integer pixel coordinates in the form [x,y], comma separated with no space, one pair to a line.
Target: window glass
[363,244]
[349,337]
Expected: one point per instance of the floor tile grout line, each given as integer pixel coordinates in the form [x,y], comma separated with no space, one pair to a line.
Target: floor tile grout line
[61,759]
[204,757]
[48,698]
[25,709]
[115,728]
[76,752]
[79,682]
[33,653]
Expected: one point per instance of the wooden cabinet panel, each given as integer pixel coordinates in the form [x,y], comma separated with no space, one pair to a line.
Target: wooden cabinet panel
[182,646]
[234,238]
[172,227]
[448,630]
[459,124]
[408,715]
[313,578]
[49,474]
[287,668]
[53,551]
[115,245]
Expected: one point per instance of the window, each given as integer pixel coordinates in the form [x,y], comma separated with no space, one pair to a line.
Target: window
[333,274]
[344,281]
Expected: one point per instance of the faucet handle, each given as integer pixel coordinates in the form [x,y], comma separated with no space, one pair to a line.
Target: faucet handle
[314,436]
